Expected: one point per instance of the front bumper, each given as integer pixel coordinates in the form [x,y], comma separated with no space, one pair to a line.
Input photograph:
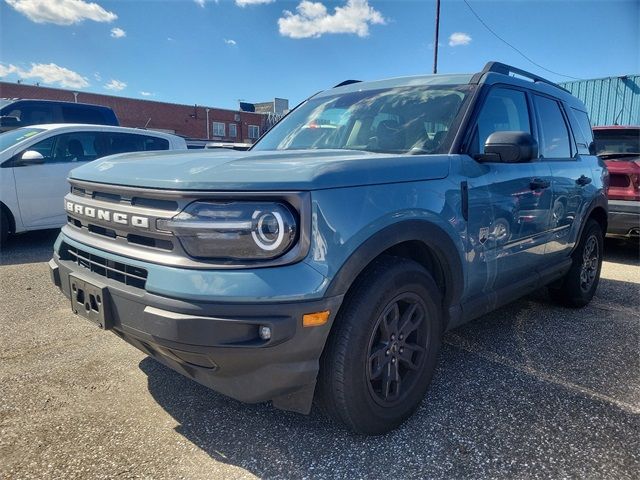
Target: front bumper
[217,344]
[624,218]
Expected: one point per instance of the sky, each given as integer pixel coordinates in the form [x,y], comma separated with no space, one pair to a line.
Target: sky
[216,53]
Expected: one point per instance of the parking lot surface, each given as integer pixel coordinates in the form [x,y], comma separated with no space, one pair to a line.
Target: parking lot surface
[532,390]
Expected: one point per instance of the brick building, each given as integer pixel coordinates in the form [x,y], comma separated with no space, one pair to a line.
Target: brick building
[187,120]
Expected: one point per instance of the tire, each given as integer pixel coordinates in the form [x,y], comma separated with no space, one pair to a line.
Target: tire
[578,286]
[4,228]
[368,347]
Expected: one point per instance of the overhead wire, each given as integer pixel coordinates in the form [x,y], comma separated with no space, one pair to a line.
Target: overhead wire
[512,46]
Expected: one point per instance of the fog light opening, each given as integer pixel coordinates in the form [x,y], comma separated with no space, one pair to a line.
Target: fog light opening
[264,332]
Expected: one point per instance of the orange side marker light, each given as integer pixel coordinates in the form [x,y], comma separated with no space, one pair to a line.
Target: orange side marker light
[315,319]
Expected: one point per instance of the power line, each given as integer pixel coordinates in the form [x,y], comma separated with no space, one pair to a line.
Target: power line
[514,48]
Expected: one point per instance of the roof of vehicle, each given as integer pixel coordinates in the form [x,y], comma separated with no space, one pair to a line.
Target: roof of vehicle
[110,128]
[492,73]
[11,101]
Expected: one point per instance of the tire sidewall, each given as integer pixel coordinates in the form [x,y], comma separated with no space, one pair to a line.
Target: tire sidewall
[363,315]
[571,293]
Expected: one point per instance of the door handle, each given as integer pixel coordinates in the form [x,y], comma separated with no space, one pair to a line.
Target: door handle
[583,180]
[539,184]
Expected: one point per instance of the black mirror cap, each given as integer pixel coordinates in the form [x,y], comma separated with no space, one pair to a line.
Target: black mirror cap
[511,147]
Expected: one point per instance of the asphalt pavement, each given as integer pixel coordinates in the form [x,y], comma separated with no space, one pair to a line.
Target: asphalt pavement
[532,390]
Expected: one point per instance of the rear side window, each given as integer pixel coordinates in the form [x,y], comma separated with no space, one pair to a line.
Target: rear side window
[554,134]
[71,114]
[582,130]
[504,110]
[125,142]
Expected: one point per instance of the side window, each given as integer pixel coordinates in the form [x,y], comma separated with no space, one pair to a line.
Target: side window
[44,147]
[36,115]
[72,114]
[504,110]
[554,135]
[155,143]
[114,143]
[582,130]
[75,147]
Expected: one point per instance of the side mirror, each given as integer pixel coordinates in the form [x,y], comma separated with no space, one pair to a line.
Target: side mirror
[31,157]
[7,121]
[592,149]
[509,147]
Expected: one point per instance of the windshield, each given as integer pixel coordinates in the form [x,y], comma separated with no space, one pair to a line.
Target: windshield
[4,102]
[393,120]
[12,137]
[619,140]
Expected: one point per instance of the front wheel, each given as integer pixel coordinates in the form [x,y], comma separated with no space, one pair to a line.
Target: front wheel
[383,348]
[579,285]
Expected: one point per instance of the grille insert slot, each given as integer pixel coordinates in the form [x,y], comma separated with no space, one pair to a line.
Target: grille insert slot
[118,271]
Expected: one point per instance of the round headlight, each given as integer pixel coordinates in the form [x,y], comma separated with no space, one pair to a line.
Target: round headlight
[269,231]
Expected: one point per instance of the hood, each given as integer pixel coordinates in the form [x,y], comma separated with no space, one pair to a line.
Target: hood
[260,171]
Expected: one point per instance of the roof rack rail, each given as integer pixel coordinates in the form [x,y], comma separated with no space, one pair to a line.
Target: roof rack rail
[346,82]
[504,69]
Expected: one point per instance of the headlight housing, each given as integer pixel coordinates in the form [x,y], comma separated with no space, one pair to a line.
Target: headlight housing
[240,231]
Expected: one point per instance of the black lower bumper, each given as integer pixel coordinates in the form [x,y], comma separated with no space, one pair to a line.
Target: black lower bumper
[624,218]
[218,345]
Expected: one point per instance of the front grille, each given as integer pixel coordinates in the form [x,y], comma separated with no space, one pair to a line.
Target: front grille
[118,271]
[158,204]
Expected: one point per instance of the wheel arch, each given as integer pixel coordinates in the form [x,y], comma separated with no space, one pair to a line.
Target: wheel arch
[599,211]
[12,221]
[422,241]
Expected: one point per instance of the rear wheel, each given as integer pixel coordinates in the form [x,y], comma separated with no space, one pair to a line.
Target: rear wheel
[382,352]
[579,285]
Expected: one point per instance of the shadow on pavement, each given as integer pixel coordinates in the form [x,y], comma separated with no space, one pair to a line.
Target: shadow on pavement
[625,251]
[530,390]
[30,247]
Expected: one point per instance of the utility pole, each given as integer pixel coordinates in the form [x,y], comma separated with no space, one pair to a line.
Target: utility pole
[435,44]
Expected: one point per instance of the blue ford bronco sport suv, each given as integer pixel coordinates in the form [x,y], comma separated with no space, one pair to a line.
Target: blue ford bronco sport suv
[328,260]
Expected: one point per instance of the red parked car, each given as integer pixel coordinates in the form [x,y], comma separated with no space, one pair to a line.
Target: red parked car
[619,147]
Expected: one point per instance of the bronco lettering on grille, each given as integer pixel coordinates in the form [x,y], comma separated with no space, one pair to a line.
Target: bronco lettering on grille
[107,215]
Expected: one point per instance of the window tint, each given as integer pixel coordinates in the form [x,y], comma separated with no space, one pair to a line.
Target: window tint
[73,114]
[582,131]
[33,114]
[45,148]
[554,135]
[504,110]
[113,143]
[75,147]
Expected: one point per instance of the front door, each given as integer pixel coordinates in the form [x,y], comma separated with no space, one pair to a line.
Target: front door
[41,188]
[509,203]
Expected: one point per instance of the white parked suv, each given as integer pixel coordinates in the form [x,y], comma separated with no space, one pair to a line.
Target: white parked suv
[35,162]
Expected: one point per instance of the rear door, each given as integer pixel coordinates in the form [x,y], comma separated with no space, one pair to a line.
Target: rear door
[571,182]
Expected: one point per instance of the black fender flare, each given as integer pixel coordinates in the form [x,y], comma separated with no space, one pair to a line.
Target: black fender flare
[433,236]
[599,201]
